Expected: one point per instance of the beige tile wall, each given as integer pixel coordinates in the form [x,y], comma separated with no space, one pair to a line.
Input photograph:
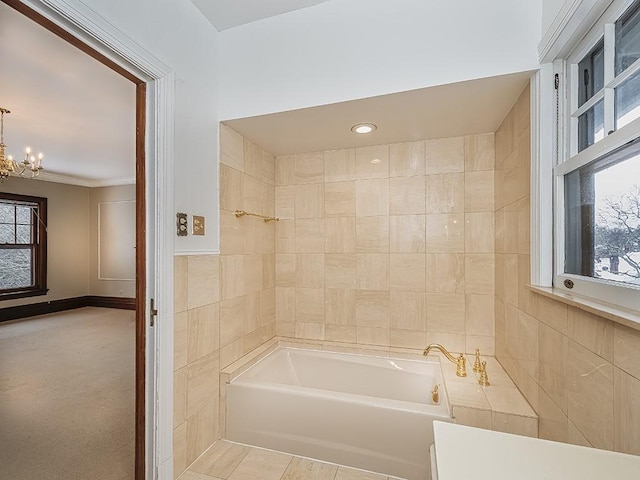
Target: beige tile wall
[224,304]
[580,372]
[396,253]
[247,247]
[196,360]
[389,245]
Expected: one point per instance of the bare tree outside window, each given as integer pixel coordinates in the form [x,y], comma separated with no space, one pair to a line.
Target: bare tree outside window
[617,237]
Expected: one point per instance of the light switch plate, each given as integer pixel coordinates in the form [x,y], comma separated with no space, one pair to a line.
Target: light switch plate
[198,225]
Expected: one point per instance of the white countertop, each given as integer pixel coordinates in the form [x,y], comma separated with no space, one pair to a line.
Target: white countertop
[478,454]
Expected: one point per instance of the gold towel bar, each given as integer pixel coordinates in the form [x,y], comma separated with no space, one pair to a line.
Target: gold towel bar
[242,213]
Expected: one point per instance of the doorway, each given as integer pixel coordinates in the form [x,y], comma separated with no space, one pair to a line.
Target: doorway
[144,359]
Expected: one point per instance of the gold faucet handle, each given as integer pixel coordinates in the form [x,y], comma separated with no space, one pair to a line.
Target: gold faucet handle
[476,365]
[484,378]
[435,395]
[461,366]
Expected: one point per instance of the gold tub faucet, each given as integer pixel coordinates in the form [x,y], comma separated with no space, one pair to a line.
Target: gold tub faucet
[460,361]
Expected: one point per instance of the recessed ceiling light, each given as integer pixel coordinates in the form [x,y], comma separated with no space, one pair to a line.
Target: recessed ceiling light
[376,160]
[363,128]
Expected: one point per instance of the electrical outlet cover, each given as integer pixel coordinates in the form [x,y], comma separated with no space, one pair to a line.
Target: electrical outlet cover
[181,224]
[198,225]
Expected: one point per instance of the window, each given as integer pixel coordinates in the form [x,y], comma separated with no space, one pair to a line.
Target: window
[602,211]
[591,81]
[23,246]
[597,196]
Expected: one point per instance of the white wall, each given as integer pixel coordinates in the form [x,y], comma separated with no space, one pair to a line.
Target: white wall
[179,35]
[347,49]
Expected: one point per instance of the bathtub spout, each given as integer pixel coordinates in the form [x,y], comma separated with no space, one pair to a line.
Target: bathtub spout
[459,361]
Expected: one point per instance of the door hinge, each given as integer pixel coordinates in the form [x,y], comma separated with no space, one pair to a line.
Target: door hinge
[153,313]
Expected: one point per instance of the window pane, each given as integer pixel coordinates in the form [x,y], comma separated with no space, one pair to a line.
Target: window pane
[602,211]
[591,126]
[591,74]
[628,38]
[628,101]
[6,213]
[7,233]
[15,268]
[23,215]
[23,234]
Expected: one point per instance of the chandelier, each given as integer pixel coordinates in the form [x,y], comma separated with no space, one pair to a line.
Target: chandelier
[29,167]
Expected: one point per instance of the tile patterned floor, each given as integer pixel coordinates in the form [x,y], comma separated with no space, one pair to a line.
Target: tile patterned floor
[231,461]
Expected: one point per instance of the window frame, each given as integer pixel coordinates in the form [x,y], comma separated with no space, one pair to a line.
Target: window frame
[39,248]
[570,159]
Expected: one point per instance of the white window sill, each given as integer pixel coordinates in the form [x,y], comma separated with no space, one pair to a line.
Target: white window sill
[629,318]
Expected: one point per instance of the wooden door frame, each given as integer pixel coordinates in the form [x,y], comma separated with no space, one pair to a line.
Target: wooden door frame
[141,283]
[124,58]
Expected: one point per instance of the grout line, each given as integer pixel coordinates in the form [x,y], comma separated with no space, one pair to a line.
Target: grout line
[286,468]
[199,456]
[335,474]
[239,463]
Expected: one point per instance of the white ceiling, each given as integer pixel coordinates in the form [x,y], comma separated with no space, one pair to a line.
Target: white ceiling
[452,110]
[75,110]
[81,114]
[225,14]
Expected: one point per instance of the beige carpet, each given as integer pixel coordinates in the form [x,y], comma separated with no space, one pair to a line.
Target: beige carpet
[67,396]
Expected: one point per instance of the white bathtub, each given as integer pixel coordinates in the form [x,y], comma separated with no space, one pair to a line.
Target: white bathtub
[373,413]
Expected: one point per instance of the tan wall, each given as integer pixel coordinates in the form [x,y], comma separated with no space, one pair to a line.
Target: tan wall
[110,288]
[67,238]
[397,252]
[72,239]
[224,304]
[580,372]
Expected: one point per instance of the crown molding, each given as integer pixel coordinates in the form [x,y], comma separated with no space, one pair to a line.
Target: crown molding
[83,182]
